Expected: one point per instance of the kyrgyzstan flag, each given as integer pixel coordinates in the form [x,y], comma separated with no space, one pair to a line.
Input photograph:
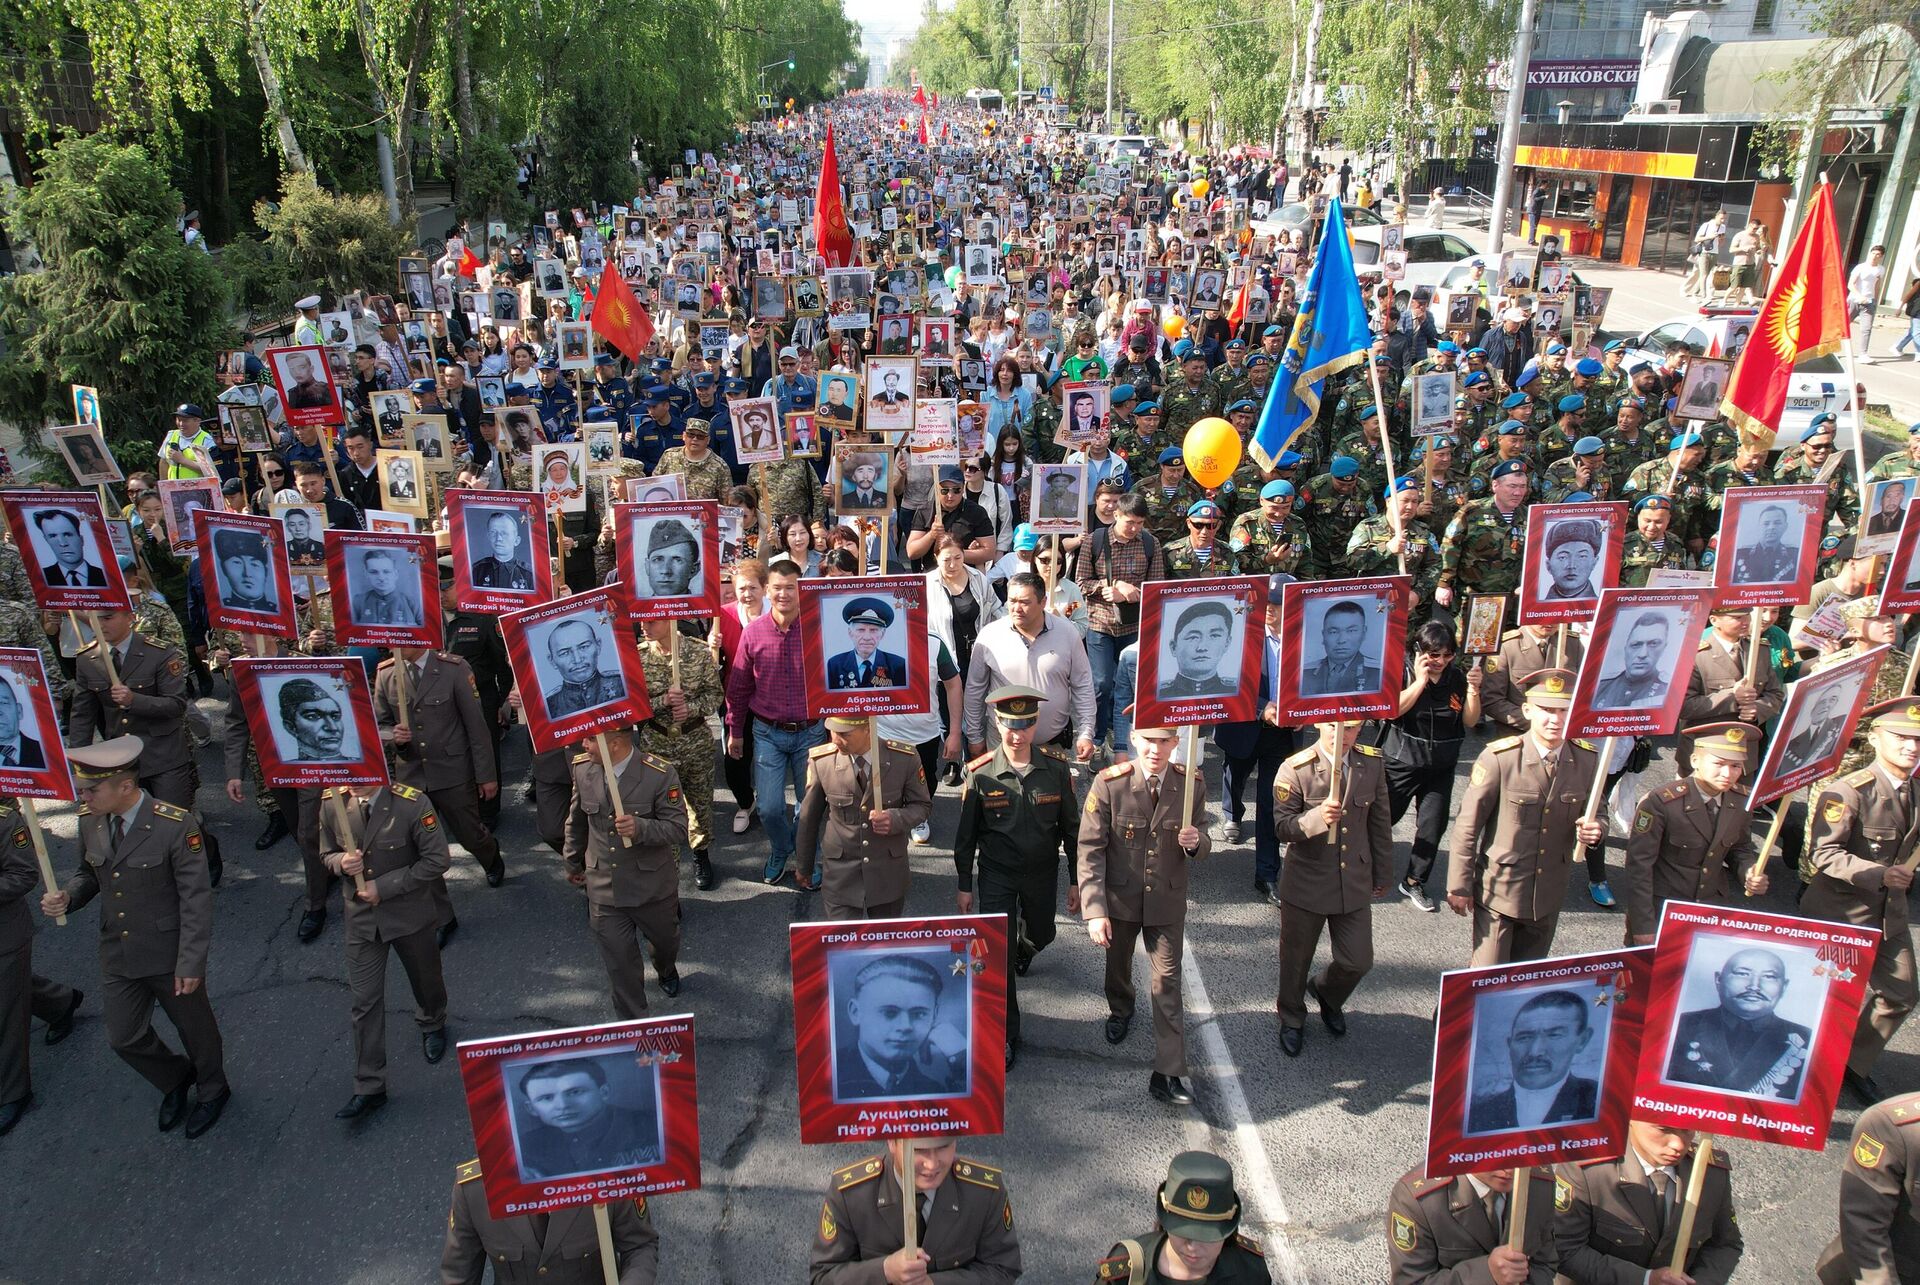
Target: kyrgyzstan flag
[923,127]
[1237,314]
[618,316]
[470,262]
[1805,315]
[832,238]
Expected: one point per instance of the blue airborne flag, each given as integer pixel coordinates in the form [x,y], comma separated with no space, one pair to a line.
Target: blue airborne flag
[1329,334]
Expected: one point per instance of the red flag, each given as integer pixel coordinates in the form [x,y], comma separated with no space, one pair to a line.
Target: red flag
[936,101]
[1805,315]
[920,96]
[1238,312]
[832,238]
[469,262]
[619,317]
[923,127]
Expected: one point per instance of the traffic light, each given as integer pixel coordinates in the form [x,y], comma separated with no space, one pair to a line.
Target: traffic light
[789,62]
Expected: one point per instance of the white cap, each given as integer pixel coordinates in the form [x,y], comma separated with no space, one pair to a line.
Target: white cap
[1513,314]
[311,301]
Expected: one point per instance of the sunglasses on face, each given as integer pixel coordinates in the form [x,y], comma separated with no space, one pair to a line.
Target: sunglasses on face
[948,488]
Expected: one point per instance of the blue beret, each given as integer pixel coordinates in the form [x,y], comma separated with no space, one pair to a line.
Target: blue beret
[1236,342]
[1913,430]
[1447,345]
[1825,417]
[1120,393]
[1513,399]
[1476,352]
[1441,442]
[1589,446]
[1261,359]
[1344,466]
[1653,502]
[1381,359]
[1615,346]
[1577,497]
[1587,367]
[422,385]
[1273,330]
[1058,374]
[1475,378]
[1247,403]
[1203,509]
[1400,484]
[1289,459]
[1527,376]
[1639,366]
[1505,467]
[1172,455]
[1146,408]
[1512,427]
[662,363]
[1572,402]
[1183,350]
[1555,349]
[1278,489]
[1682,440]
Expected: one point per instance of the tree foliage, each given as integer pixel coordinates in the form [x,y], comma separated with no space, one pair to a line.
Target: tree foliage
[969,46]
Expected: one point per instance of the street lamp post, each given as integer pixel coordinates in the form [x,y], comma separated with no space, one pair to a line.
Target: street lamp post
[787,62]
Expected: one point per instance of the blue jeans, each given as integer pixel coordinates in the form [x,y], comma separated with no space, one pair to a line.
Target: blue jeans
[779,757]
[1911,338]
[1103,657]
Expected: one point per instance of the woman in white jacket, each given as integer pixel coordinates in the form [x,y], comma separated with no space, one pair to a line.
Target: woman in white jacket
[960,603]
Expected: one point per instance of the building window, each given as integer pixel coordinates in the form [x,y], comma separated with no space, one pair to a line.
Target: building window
[1763,14]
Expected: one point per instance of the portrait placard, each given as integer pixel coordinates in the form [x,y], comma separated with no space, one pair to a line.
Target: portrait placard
[86,453]
[306,527]
[403,481]
[86,402]
[1343,643]
[246,574]
[381,520]
[935,439]
[249,425]
[1885,510]
[426,436]
[311,720]
[1700,389]
[1572,553]
[499,543]
[33,759]
[577,666]
[1816,725]
[1900,591]
[803,435]
[663,488]
[1751,1021]
[862,479]
[1769,545]
[889,385]
[900,1027]
[1484,622]
[849,298]
[576,345]
[1084,405]
[1633,678]
[1533,1062]
[839,400]
[181,498]
[756,429]
[1433,394]
[304,379]
[386,589]
[1200,644]
[560,474]
[863,642]
[668,556]
[1058,502]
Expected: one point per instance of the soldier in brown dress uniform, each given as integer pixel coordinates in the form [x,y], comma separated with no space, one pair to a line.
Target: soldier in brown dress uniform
[1329,880]
[560,1248]
[1134,850]
[1445,1230]
[1515,835]
[1523,651]
[1196,1236]
[1720,687]
[23,994]
[1865,826]
[1619,1220]
[444,746]
[1685,833]
[965,1222]
[861,848]
[632,892]
[1879,1237]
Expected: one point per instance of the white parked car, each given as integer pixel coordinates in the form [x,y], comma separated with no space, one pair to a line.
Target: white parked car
[1430,255]
[1818,384]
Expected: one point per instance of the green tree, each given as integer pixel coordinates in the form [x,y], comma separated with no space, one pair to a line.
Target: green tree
[122,305]
[317,242]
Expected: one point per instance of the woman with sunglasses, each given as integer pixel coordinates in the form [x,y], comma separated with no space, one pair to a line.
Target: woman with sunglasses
[273,480]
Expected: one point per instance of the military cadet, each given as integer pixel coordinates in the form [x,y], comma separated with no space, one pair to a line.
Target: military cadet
[707,476]
[965,1222]
[442,744]
[1865,826]
[1484,549]
[1446,1230]
[1196,1235]
[678,730]
[1899,463]
[1339,857]
[1581,471]
[625,851]
[1689,837]
[1649,547]
[558,1248]
[1868,627]
[1272,538]
[1231,374]
[1135,845]
[1816,451]
[1201,553]
[1721,688]
[1376,549]
[1619,1220]
[474,638]
[1332,505]
[1523,652]
[1187,401]
[388,843]
[1879,1237]
[144,859]
[861,840]
[149,702]
[1513,836]
[1018,816]
[1169,493]
[24,995]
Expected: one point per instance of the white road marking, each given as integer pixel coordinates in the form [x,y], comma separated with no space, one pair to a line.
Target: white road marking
[1266,1207]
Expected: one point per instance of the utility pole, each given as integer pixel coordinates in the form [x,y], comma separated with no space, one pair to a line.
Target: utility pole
[1109,66]
[1306,101]
[1019,63]
[1510,129]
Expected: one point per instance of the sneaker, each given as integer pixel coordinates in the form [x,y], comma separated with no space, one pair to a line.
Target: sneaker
[923,832]
[1602,895]
[743,820]
[776,867]
[1418,896]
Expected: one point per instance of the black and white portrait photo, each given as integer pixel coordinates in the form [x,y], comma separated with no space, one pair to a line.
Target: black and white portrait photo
[86,454]
[1209,285]
[302,379]
[1701,390]
[403,482]
[1460,309]
[1812,731]
[583,1114]
[578,667]
[1433,401]
[426,436]
[505,306]
[550,278]
[982,265]
[865,480]
[1537,1058]
[243,562]
[1343,642]
[864,639]
[1885,510]
[1747,1014]
[1059,502]
[1766,545]
[769,298]
[1201,642]
[902,1024]
[1634,672]
[666,556]
[65,546]
[19,728]
[383,587]
[312,717]
[500,548]
[1572,549]
[306,524]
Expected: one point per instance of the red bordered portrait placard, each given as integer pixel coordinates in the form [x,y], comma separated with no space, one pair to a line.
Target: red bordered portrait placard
[1769,545]
[499,543]
[63,540]
[1343,645]
[1633,678]
[1816,725]
[1533,1062]
[1901,590]
[577,667]
[243,565]
[386,589]
[900,1027]
[311,719]
[864,644]
[1200,651]
[584,1116]
[305,383]
[33,760]
[1573,552]
[1751,1022]
[669,558]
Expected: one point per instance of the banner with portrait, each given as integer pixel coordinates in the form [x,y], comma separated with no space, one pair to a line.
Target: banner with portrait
[1533,1062]
[386,589]
[246,573]
[1751,1021]
[1900,591]
[587,1115]
[1633,677]
[86,453]
[1572,553]
[1816,725]
[180,499]
[304,381]
[1343,646]
[1058,499]
[1769,545]
[63,540]
[668,556]
[499,549]
[1200,651]
[311,720]
[863,642]
[1883,513]
[33,758]
[900,1027]
[577,666]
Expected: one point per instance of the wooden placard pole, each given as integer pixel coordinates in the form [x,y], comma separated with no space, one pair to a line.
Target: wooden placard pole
[603,1230]
[1386,454]
[613,786]
[1598,793]
[1333,780]
[1517,1209]
[1053,549]
[1696,1182]
[909,1197]
[40,851]
[345,820]
[1560,647]
[560,539]
[327,437]
[1913,671]
[1190,775]
[1758,871]
[106,648]
[1753,650]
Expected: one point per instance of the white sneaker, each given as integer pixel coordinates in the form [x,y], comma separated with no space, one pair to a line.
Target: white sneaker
[923,832]
[742,820]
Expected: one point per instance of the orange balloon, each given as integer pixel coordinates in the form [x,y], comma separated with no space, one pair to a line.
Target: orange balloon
[1174,327]
[1212,451]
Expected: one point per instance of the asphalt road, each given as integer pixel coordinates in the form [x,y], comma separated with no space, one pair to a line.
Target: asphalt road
[281,1192]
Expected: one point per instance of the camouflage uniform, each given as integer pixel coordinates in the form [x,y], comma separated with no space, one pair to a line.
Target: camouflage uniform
[1145,376]
[154,620]
[1723,476]
[707,479]
[14,584]
[1562,479]
[1891,465]
[1252,541]
[1371,459]
[1480,477]
[1369,554]
[1887,685]
[1231,381]
[1689,493]
[688,746]
[1449,493]
[1623,457]
[1843,497]
[1182,406]
[1639,559]
[788,488]
[1041,426]
[1555,444]
[1721,440]
[1183,565]
[1481,553]
[1331,518]
[1167,516]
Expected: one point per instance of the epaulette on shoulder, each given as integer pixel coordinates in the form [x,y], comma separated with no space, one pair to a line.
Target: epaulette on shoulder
[1672,792]
[654,761]
[406,791]
[821,751]
[1704,644]
[1425,1187]
[1588,746]
[1303,758]
[1720,1160]
[978,1174]
[1511,634]
[1505,743]
[1054,751]
[900,747]
[974,765]
[467,1172]
[85,810]
[1248,1243]
[449,656]
[1118,769]
[1588,1164]
[1115,1268]
[1861,779]
[585,757]
[856,1173]
[1368,750]
[170,812]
